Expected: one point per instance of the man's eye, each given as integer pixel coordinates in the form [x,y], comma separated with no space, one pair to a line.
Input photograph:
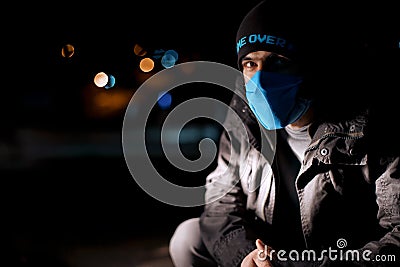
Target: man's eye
[277,60]
[249,64]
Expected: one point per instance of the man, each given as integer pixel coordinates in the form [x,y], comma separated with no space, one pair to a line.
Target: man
[310,187]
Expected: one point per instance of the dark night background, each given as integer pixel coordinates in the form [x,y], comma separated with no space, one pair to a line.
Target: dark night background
[68,196]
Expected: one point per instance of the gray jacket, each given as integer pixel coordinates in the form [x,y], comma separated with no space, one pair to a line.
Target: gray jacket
[348,188]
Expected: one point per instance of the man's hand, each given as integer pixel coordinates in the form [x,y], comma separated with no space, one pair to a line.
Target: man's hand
[258,257]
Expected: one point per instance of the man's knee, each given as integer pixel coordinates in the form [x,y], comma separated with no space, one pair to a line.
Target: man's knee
[185,237]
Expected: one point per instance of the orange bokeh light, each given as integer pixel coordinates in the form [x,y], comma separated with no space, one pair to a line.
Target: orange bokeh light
[146,64]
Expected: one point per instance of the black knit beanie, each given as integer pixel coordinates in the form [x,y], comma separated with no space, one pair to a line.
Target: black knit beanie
[269,26]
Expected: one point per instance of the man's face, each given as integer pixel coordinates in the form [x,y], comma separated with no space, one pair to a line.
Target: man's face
[266,61]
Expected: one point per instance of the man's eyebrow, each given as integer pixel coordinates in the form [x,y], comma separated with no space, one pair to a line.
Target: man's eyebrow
[247,58]
[256,57]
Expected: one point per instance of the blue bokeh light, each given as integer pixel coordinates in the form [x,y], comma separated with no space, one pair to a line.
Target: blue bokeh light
[158,53]
[172,53]
[164,100]
[111,82]
[168,61]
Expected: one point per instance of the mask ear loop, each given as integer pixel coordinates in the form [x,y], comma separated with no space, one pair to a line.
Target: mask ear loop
[240,88]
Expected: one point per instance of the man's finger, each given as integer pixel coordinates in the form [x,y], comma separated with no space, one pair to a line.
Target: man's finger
[260,245]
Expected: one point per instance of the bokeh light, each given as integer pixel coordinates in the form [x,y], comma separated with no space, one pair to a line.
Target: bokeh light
[139,50]
[168,61]
[164,100]
[146,64]
[173,53]
[67,51]
[111,82]
[158,53]
[101,79]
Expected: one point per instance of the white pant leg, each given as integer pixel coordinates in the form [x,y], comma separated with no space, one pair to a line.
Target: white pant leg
[186,247]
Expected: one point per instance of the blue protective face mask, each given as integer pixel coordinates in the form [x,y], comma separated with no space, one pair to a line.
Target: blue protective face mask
[273,99]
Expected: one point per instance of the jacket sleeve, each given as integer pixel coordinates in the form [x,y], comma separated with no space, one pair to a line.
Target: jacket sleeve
[228,227]
[386,250]
[225,222]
